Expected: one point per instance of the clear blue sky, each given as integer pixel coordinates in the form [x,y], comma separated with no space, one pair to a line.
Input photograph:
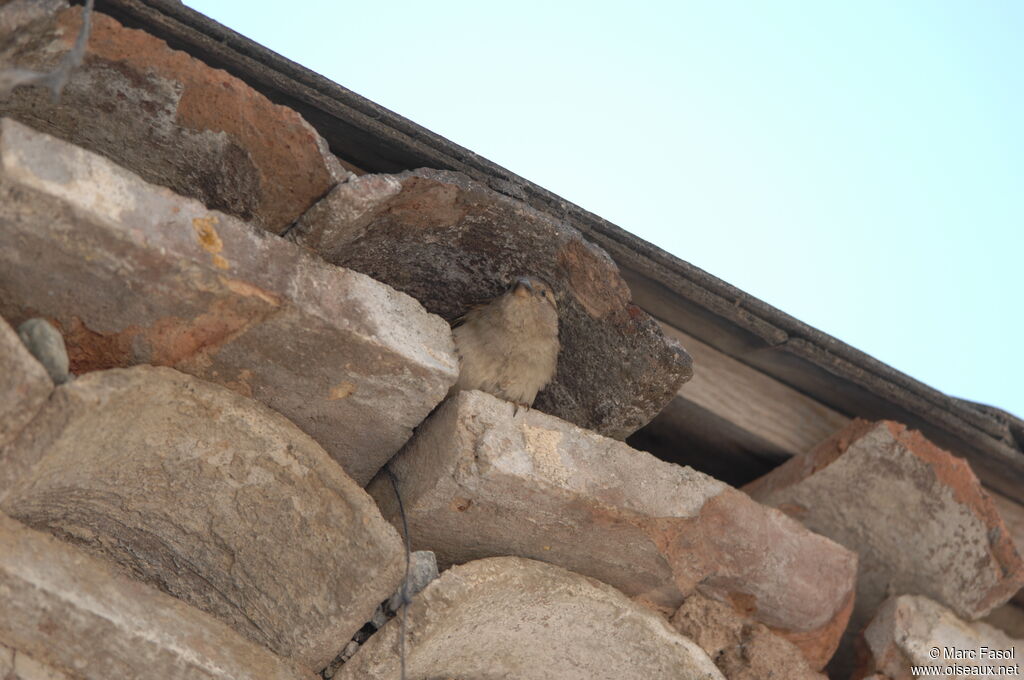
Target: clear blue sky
[859,165]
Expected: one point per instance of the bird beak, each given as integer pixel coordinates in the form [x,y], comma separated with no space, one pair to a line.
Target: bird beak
[522,287]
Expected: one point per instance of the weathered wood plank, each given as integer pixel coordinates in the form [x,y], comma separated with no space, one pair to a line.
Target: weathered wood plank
[785,420]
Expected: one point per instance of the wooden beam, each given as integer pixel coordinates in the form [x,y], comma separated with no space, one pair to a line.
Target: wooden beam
[732,421]
[784,420]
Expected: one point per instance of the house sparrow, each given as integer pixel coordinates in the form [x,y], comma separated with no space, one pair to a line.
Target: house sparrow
[509,346]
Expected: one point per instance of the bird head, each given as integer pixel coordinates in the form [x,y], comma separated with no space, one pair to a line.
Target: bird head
[531,288]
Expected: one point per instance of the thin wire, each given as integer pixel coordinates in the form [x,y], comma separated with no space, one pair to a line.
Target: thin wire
[408,560]
[57,78]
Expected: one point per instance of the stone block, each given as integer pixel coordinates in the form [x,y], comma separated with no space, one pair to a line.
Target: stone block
[212,498]
[68,615]
[741,648]
[46,344]
[24,386]
[451,242]
[172,119]
[15,665]
[480,480]
[134,274]
[912,630]
[508,617]
[915,514]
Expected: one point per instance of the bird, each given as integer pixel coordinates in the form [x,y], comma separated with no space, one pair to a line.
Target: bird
[509,346]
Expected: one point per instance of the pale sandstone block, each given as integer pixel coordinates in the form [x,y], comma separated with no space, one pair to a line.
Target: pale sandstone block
[134,274]
[912,630]
[508,617]
[24,386]
[68,615]
[479,481]
[15,665]
[915,514]
[210,497]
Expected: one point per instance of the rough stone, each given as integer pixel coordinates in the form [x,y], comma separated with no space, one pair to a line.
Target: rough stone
[65,612]
[742,649]
[15,665]
[915,514]
[912,630]
[379,618]
[24,385]
[47,345]
[152,278]
[422,570]
[20,22]
[173,120]
[212,498]
[509,617]
[450,242]
[332,669]
[480,480]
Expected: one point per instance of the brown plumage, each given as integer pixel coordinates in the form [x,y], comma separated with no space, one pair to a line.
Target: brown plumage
[509,346]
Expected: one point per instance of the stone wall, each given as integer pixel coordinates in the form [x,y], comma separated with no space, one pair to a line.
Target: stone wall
[229,419]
